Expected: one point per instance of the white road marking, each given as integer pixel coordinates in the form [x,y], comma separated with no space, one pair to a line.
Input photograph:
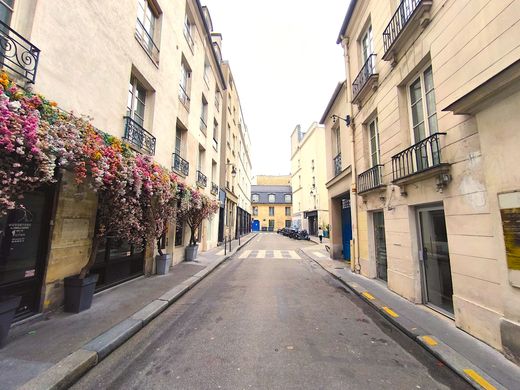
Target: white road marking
[274,254]
[319,254]
[244,254]
[220,253]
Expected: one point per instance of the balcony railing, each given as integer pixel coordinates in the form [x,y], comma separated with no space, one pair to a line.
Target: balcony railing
[18,54]
[138,137]
[422,156]
[146,41]
[180,165]
[183,97]
[214,188]
[337,164]
[203,125]
[365,75]
[370,179]
[405,12]
[202,180]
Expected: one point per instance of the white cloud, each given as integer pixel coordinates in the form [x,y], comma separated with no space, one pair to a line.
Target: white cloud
[285,63]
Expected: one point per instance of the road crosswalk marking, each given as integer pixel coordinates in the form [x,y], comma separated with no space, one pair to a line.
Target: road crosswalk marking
[268,254]
[319,254]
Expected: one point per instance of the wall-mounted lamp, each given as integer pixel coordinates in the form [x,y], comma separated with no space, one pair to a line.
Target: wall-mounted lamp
[346,119]
[233,170]
[443,180]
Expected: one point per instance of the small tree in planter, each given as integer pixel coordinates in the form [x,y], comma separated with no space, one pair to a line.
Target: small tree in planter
[200,208]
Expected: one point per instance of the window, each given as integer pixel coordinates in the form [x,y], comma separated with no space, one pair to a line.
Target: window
[136,101]
[179,141]
[367,47]
[179,234]
[255,198]
[255,210]
[184,84]
[287,223]
[215,134]
[288,198]
[6,10]
[207,71]
[146,23]
[218,97]
[271,224]
[373,135]
[336,141]
[204,115]
[422,100]
[187,32]
[287,211]
[271,211]
[271,198]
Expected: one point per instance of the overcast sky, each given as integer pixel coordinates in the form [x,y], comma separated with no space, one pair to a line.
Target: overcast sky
[286,64]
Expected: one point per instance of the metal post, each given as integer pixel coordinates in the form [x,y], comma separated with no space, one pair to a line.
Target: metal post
[230,243]
[225,245]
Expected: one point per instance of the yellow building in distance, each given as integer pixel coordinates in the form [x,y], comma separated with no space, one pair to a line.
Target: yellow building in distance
[272,203]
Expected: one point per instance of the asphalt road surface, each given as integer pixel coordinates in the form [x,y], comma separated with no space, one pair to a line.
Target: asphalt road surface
[265,322]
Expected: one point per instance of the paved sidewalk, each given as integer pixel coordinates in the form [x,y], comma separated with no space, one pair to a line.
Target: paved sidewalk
[481,365]
[315,239]
[36,348]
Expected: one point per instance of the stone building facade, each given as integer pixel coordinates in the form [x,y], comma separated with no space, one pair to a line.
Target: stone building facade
[145,71]
[308,177]
[432,98]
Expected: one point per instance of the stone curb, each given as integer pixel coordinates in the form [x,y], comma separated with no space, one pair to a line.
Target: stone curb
[70,369]
[475,376]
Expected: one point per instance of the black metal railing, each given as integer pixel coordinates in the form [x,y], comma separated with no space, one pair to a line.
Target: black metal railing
[370,179]
[146,40]
[399,20]
[368,69]
[183,96]
[137,136]
[424,155]
[180,165]
[18,54]
[337,164]
[202,180]
[214,189]
[203,125]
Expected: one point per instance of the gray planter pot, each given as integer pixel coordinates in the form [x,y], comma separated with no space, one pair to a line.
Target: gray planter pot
[8,306]
[79,293]
[162,264]
[191,252]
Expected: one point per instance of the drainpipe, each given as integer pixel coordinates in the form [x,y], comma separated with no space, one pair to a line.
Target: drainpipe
[354,266]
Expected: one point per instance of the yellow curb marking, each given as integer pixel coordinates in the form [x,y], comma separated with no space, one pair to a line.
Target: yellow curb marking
[369,296]
[430,340]
[391,312]
[477,378]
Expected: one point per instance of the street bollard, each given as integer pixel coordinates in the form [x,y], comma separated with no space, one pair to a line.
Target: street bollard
[225,246]
[229,244]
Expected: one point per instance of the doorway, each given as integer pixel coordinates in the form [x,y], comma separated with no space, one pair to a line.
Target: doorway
[380,246]
[435,259]
[346,227]
[24,239]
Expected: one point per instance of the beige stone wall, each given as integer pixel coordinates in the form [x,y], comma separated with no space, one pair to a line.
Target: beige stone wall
[283,180]
[466,43]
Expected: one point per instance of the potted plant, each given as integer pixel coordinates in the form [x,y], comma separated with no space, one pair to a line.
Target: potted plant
[200,207]
[8,307]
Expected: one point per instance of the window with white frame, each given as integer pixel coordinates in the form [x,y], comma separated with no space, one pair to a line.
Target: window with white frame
[288,198]
[255,198]
[185,84]
[6,11]
[271,211]
[187,30]
[146,24]
[373,138]
[421,93]
[135,108]
[271,198]
[336,140]
[204,115]
[207,71]
[367,46]
[255,210]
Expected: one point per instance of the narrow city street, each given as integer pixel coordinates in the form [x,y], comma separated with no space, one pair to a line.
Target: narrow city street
[269,318]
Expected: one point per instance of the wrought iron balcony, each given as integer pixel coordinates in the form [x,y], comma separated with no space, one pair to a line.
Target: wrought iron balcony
[18,54]
[183,97]
[370,179]
[138,137]
[214,188]
[402,22]
[146,41]
[180,165]
[337,164]
[423,156]
[365,80]
[202,180]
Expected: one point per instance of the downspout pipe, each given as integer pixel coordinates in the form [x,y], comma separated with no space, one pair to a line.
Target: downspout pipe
[355,265]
